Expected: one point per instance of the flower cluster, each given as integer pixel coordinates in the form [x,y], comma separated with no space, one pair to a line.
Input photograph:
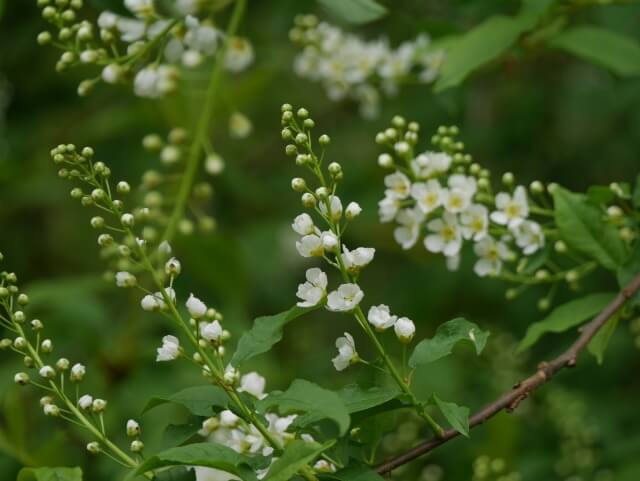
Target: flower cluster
[54,376]
[145,47]
[349,67]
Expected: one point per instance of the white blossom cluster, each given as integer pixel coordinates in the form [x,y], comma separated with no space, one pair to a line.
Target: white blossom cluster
[145,46]
[442,199]
[329,245]
[350,67]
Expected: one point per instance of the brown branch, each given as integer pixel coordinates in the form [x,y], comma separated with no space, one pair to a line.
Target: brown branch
[511,399]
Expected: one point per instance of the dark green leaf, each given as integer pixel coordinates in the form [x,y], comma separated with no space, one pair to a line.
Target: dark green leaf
[598,345]
[296,455]
[611,50]
[456,416]
[178,434]
[565,317]
[265,333]
[357,399]
[355,11]
[210,455]
[50,474]
[447,336]
[629,270]
[176,474]
[316,402]
[355,472]
[199,400]
[582,227]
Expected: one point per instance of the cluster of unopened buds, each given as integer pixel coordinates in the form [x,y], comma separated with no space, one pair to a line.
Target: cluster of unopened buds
[147,47]
[328,243]
[55,377]
[349,67]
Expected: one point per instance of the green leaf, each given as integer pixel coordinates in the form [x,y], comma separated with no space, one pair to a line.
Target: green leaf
[296,455]
[210,455]
[316,402]
[447,336]
[355,11]
[482,44]
[598,345]
[50,474]
[355,472]
[265,333]
[629,270]
[199,400]
[600,195]
[636,194]
[565,317]
[582,227]
[611,50]
[456,416]
[178,434]
[357,399]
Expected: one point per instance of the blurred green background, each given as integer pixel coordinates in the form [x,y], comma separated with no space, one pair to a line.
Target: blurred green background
[544,116]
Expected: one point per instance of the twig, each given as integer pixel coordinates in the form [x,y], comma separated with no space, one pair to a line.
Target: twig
[520,391]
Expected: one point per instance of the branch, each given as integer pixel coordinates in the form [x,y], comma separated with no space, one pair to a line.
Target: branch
[520,391]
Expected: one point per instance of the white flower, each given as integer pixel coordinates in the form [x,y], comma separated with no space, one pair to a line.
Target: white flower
[196,307]
[303,224]
[313,291]
[211,331]
[512,209]
[398,185]
[154,82]
[169,350]
[133,428]
[380,317]
[388,208]
[353,210]
[404,329]
[85,402]
[335,205]
[228,419]
[77,372]
[459,194]
[491,254]
[410,220]
[140,7]
[254,384]
[347,353]
[446,237]
[125,279]
[150,303]
[345,298]
[47,372]
[173,267]
[358,258]
[474,222]
[329,241]
[428,195]
[310,246]
[239,54]
[112,73]
[529,236]
[429,164]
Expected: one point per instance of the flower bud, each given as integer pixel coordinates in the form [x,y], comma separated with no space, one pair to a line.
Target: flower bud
[324,140]
[385,161]
[77,373]
[97,222]
[127,220]
[308,200]
[405,329]
[105,240]
[51,410]
[21,378]
[536,187]
[301,138]
[46,346]
[137,446]
[560,247]
[173,267]
[123,187]
[133,428]
[302,113]
[85,402]
[322,193]
[353,210]
[614,212]
[23,299]
[93,448]
[20,343]
[62,364]
[99,405]
[334,168]
[291,150]
[329,241]
[298,184]
[47,372]
[19,316]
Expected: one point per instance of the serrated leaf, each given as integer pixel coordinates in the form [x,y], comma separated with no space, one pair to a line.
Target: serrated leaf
[447,336]
[210,455]
[598,345]
[355,472]
[265,333]
[355,11]
[456,416]
[566,316]
[50,474]
[296,455]
[483,44]
[309,398]
[199,400]
[582,227]
[611,50]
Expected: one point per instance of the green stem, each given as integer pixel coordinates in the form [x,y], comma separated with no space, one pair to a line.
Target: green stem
[202,127]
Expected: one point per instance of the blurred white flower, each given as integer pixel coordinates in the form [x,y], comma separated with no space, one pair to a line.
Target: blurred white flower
[491,255]
[357,259]
[254,384]
[398,185]
[345,298]
[474,222]
[529,236]
[239,54]
[410,223]
[310,246]
[169,350]
[428,195]
[513,209]
[347,353]
[445,237]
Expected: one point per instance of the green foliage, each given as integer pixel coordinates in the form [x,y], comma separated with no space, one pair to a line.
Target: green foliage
[447,335]
[616,52]
[457,416]
[355,472]
[583,228]
[600,341]
[629,270]
[306,397]
[296,455]
[199,400]
[355,11]
[265,333]
[50,474]
[209,455]
[566,316]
